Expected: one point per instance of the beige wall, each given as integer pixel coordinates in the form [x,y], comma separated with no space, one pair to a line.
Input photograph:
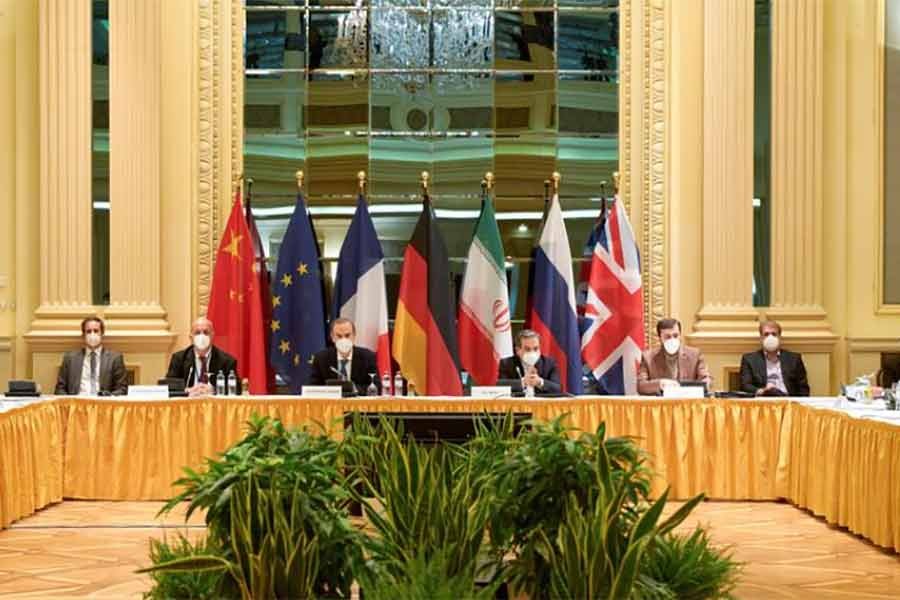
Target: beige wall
[675,98]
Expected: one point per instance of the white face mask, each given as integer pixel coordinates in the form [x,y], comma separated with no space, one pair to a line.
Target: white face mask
[672,345]
[531,358]
[201,342]
[93,340]
[344,345]
[771,343]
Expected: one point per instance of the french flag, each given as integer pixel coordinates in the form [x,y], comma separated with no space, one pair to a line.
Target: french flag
[553,313]
[359,290]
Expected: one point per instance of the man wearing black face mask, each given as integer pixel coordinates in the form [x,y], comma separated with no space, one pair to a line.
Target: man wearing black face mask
[772,371]
[201,362]
[92,370]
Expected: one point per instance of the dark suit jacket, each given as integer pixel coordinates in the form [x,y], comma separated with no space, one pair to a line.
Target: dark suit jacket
[753,372]
[511,366]
[363,363]
[183,364]
[113,378]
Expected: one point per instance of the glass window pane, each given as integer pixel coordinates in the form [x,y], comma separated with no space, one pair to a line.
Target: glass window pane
[338,40]
[463,39]
[762,145]
[524,40]
[463,102]
[100,148]
[401,103]
[275,40]
[338,102]
[400,39]
[396,163]
[332,162]
[589,41]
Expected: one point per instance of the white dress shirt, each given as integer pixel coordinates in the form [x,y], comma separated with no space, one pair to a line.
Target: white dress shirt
[86,389]
[349,360]
[773,373]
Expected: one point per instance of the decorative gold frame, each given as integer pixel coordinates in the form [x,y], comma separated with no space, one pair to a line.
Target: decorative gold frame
[220,123]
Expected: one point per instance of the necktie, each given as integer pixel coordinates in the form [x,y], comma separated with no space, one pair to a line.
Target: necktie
[94,372]
[204,376]
[343,369]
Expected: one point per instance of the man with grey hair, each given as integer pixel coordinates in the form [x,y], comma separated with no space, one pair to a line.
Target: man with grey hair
[535,371]
[199,364]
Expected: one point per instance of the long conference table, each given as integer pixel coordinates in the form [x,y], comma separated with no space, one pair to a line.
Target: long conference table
[839,462]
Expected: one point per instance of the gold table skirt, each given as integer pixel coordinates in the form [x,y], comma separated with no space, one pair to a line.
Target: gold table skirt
[31,460]
[844,469]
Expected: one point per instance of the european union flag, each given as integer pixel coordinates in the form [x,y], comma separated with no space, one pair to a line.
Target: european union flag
[298,312]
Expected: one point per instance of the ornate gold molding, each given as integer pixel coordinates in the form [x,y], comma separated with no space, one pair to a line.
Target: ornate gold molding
[207,159]
[654,165]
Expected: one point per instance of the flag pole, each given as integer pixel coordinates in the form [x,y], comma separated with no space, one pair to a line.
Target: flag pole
[361,176]
[546,194]
[238,185]
[249,190]
[424,178]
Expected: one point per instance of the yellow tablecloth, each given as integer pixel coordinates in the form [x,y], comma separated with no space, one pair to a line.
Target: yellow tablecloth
[840,467]
[844,469]
[134,450]
[31,460]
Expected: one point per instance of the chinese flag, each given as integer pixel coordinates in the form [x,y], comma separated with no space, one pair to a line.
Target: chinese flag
[235,303]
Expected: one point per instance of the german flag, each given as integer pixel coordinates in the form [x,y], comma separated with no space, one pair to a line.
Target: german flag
[424,342]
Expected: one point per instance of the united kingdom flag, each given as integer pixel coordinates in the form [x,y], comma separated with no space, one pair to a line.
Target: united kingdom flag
[613,326]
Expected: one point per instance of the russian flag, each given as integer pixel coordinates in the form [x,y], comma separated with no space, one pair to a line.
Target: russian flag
[553,310]
[359,291]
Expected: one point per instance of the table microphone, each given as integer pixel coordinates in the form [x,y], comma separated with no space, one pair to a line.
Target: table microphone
[340,375]
[190,374]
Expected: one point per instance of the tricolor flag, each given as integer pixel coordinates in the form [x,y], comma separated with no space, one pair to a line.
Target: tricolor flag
[553,314]
[485,335]
[614,310]
[424,342]
[359,290]
[235,302]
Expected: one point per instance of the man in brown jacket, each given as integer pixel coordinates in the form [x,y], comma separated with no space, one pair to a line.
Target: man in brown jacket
[671,361]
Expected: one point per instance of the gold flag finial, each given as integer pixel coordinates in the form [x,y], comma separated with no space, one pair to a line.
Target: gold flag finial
[489,178]
[361,176]
[615,181]
[238,182]
[425,182]
[299,176]
[555,177]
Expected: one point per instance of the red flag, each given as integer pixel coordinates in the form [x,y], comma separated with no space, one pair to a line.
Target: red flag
[265,288]
[235,303]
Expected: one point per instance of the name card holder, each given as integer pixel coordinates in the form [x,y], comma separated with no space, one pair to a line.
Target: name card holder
[491,391]
[329,392]
[148,392]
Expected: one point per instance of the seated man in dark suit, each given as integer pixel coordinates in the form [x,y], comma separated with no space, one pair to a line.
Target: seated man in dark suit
[344,360]
[92,370]
[536,371]
[200,363]
[772,371]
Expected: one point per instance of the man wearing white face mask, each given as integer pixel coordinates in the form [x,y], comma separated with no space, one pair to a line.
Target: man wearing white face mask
[346,360]
[92,370]
[772,371]
[671,362]
[200,363]
[534,370]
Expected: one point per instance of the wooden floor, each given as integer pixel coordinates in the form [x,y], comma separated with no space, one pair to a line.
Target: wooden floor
[91,550]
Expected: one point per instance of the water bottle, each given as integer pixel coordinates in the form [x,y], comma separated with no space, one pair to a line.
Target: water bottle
[372,390]
[245,387]
[232,384]
[529,391]
[398,384]
[386,385]
[464,380]
[220,384]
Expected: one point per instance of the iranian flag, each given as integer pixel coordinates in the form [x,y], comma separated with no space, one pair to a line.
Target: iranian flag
[485,334]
